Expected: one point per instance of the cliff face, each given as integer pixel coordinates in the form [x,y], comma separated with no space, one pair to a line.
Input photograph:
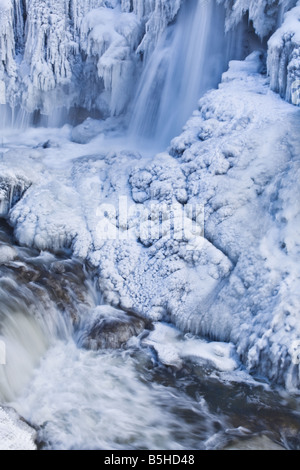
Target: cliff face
[50,49]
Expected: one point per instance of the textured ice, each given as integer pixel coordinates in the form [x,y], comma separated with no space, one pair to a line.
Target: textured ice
[265,14]
[56,55]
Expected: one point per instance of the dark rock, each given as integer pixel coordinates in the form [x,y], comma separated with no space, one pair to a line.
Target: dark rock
[112,329]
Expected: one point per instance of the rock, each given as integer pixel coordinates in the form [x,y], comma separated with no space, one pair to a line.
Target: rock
[112,328]
[255,443]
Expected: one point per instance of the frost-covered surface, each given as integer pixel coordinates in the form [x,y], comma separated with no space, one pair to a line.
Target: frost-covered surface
[49,49]
[284,57]
[237,157]
[12,188]
[15,433]
[245,167]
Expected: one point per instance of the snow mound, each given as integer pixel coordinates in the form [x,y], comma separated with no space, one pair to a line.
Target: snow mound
[172,349]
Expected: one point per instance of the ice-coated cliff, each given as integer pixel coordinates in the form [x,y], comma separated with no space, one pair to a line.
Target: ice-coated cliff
[284,57]
[266,15]
[49,49]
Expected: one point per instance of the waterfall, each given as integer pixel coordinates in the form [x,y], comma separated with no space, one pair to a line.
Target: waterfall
[39,86]
[189,59]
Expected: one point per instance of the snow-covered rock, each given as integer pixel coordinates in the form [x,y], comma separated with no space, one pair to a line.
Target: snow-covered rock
[249,216]
[15,433]
[280,19]
[173,349]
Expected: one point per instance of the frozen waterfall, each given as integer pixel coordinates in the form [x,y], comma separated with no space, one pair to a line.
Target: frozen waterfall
[48,53]
[188,60]
[149,224]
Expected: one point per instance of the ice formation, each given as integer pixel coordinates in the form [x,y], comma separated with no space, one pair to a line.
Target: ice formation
[49,49]
[266,15]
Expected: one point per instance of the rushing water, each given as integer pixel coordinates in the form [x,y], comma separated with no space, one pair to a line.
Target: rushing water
[121,398]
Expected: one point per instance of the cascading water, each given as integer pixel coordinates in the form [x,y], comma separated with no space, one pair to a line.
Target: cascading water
[189,59]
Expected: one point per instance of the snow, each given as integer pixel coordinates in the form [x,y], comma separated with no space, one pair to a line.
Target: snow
[15,433]
[173,349]
[237,159]
[202,239]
